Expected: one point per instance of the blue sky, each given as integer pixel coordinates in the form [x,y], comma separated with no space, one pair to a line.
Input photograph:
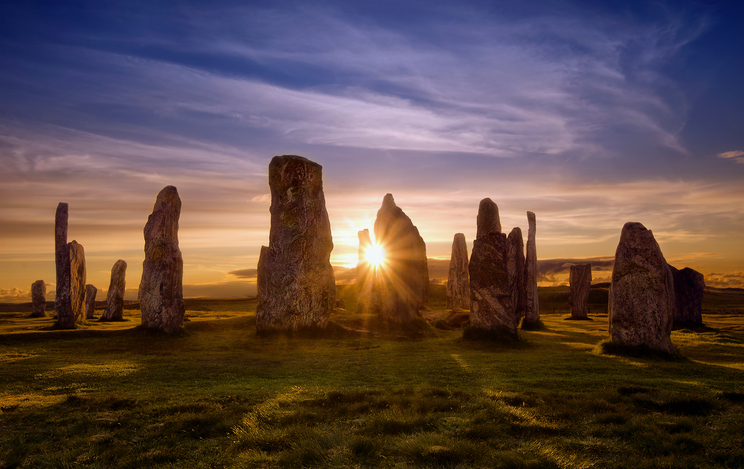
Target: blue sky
[588,115]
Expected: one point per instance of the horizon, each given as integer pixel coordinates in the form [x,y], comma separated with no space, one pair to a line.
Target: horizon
[588,115]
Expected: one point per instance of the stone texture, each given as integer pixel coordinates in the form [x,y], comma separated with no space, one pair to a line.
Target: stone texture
[488,220]
[77,280]
[38,299]
[115,296]
[641,298]
[515,268]
[297,288]
[161,288]
[458,281]
[401,285]
[531,301]
[580,282]
[62,299]
[689,286]
[491,307]
[90,301]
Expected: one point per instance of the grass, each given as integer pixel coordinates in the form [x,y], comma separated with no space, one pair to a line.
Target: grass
[218,395]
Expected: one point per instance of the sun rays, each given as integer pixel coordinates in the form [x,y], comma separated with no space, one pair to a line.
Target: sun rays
[375,255]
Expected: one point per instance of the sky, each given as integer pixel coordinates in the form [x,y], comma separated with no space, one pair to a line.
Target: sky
[588,115]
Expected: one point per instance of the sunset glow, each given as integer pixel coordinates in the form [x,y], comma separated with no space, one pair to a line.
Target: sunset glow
[375,255]
[590,116]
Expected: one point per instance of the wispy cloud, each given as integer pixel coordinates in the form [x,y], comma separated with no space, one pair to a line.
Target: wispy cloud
[736,155]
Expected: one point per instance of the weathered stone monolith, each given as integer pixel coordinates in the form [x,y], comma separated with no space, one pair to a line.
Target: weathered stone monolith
[62,299]
[297,288]
[580,282]
[515,268]
[488,220]
[161,288]
[491,308]
[641,298]
[38,299]
[77,280]
[402,283]
[458,281]
[689,286]
[532,303]
[90,301]
[115,296]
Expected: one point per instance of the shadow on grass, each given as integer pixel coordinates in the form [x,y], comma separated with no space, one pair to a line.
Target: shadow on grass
[533,326]
[607,347]
[571,318]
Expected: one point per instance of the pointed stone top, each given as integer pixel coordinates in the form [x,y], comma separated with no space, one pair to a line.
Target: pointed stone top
[531,217]
[388,201]
[488,218]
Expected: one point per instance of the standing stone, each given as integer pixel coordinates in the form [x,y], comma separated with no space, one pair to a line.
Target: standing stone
[532,303]
[491,307]
[689,286]
[641,298]
[38,299]
[62,299]
[297,288]
[515,268]
[402,284]
[488,220]
[77,280]
[580,282]
[161,288]
[458,281]
[115,297]
[90,301]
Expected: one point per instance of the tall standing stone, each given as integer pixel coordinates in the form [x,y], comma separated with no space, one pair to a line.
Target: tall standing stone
[115,296]
[401,285]
[491,307]
[488,220]
[38,299]
[458,281]
[580,282]
[161,288]
[62,299]
[532,303]
[515,268]
[689,286]
[90,301]
[297,288]
[77,280]
[641,299]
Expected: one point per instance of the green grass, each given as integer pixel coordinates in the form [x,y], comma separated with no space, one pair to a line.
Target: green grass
[218,395]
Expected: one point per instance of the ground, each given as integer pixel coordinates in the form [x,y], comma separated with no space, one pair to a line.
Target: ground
[366,395]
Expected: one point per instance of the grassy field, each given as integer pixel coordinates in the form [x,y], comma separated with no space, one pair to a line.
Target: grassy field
[217,395]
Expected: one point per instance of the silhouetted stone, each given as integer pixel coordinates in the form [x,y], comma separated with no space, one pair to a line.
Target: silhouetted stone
[488,220]
[402,283]
[531,301]
[161,288]
[115,296]
[90,301]
[689,286]
[580,282]
[38,299]
[491,308]
[458,281]
[297,288]
[641,297]
[77,280]
[62,299]
[515,268]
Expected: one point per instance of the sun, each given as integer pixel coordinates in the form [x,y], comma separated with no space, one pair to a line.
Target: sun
[375,255]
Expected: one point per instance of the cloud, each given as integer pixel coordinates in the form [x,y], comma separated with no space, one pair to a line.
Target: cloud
[14,295]
[244,273]
[737,156]
[718,280]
